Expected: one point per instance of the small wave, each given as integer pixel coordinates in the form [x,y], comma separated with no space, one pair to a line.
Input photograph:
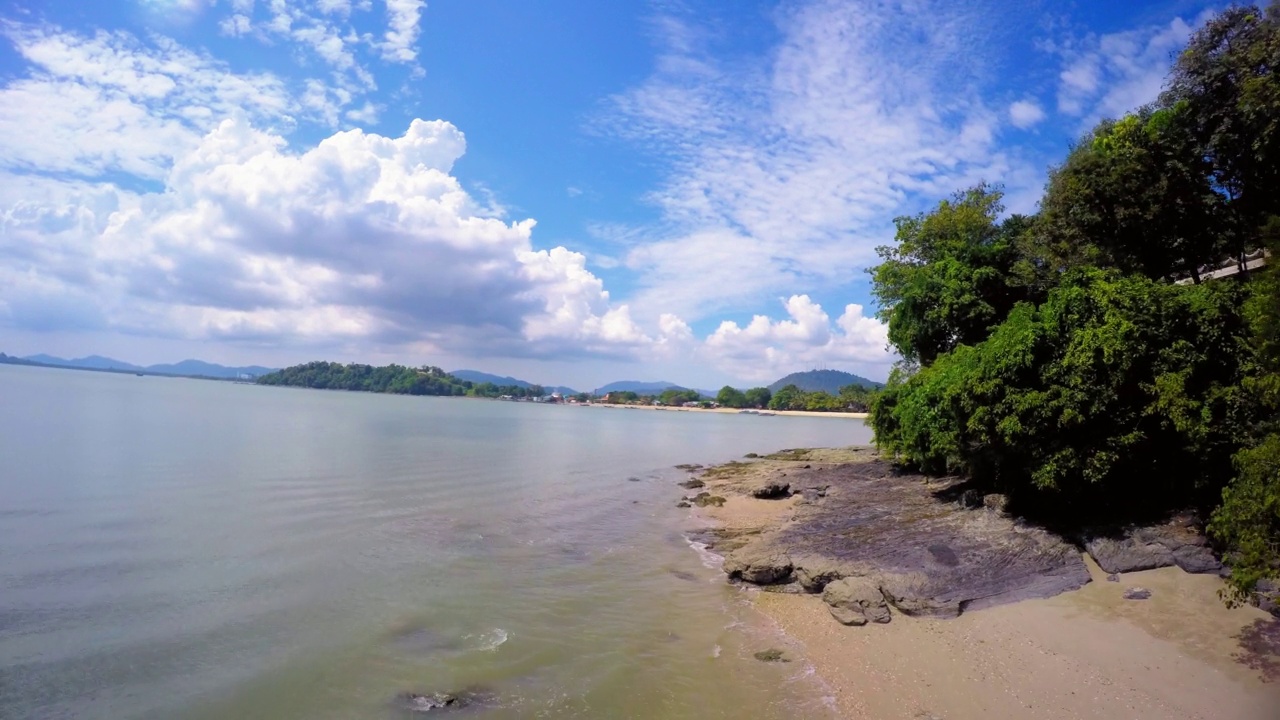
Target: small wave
[715,651]
[486,641]
[709,560]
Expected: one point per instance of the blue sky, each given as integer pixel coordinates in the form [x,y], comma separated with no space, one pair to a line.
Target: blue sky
[569,191]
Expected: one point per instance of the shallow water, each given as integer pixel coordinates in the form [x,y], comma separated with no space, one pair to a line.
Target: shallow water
[174,548]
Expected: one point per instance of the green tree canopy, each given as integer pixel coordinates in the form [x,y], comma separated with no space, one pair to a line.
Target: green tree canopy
[758,397]
[731,397]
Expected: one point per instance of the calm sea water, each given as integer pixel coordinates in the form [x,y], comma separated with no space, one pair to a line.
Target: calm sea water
[175,548]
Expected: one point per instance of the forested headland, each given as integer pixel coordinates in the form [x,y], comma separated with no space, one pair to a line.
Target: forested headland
[396,379]
[1085,360]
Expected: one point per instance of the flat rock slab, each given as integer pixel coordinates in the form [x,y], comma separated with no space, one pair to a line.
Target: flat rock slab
[927,556]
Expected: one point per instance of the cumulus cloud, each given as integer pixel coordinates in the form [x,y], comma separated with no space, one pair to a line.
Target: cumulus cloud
[362,237]
[1025,114]
[766,348]
[785,173]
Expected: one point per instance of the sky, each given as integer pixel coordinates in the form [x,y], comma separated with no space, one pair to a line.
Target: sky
[567,191]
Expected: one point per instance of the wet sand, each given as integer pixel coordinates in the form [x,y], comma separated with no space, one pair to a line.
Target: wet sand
[1088,653]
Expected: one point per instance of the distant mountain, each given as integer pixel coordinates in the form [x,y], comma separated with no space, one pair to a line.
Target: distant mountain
[828,380]
[205,369]
[476,376]
[647,388]
[92,362]
[186,367]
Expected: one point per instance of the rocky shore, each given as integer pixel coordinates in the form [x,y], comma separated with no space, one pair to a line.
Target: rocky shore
[842,534]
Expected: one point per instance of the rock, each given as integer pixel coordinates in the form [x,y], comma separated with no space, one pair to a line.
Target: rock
[633,479]
[1137,593]
[772,490]
[913,597]
[419,703]
[683,504]
[689,467]
[704,499]
[995,501]
[806,467]
[814,573]
[930,555]
[971,499]
[1196,559]
[758,565]
[692,484]
[438,703]
[1128,554]
[1113,578]
[771,655]
[856,601]
[751,456]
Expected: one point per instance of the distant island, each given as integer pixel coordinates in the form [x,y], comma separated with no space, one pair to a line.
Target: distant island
[99,363]
[811,391]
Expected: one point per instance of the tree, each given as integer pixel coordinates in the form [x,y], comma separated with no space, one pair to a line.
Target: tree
[787,398]
[1117,393]
[678,396]
[731,397]
[1134,195]
[1248,521]
[758,397]
[855,398]
[1226,81]
[951,277]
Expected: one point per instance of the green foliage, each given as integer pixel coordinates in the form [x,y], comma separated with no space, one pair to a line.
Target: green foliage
[1137,196]
[1248,521]
[787,398]
[731,397]
[675,396]
[1117,392]
[1055,359]
[396,379]
[758,397]
[950,278]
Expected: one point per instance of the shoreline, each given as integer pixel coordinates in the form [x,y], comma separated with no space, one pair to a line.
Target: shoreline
[731,411]
[1085,652]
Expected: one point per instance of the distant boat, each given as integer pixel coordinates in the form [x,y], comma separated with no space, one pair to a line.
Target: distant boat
[748,412]
[767,413]
[138,374]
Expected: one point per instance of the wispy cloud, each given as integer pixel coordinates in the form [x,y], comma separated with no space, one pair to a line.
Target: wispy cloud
[784,174]
[1106,76]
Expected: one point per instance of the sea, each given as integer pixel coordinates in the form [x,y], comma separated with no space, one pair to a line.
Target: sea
[181,548]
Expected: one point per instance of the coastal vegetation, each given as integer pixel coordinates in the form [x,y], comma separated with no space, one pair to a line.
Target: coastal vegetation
[1113,357]
[395,379]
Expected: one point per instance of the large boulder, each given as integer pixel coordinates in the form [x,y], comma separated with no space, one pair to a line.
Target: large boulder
[1177,542]
[856,601]
[759,564]
[772,490]
[917,595]
[1128,554]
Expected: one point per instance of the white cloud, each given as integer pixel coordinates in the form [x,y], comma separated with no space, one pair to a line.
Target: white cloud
[1110,75]
[105,103]
[402,30]
[766,349]
[785,174]
[236,25]
[361,238]
[1025,114]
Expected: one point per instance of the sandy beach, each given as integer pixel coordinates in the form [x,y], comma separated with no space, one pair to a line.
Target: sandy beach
[732,411]
[1087,653]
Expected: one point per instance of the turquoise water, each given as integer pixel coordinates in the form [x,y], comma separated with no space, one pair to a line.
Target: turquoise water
[174,548]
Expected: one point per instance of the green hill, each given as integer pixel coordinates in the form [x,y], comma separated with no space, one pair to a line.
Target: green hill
[827,380]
